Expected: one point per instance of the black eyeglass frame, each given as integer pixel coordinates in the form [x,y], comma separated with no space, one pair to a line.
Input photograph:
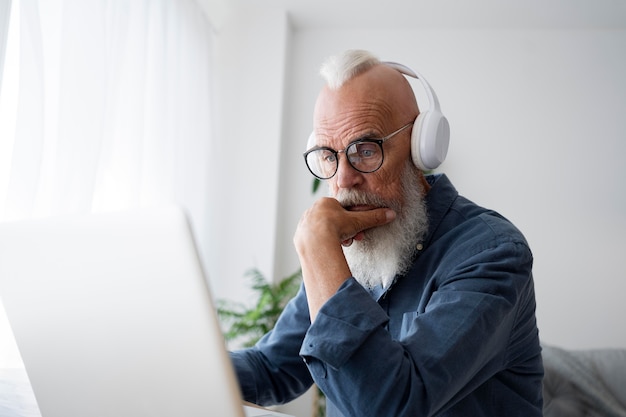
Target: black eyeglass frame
[379,142]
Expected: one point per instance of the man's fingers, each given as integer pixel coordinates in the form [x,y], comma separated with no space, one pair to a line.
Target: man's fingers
[376,217]
[327,219]
[363,220]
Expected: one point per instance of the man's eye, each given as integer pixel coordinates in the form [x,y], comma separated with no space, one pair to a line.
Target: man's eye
[367,150]
[329,157]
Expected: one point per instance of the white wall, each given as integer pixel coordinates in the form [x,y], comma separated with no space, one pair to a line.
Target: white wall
[250,58]
[537,134]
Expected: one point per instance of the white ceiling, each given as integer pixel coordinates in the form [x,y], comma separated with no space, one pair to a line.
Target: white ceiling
[436,14]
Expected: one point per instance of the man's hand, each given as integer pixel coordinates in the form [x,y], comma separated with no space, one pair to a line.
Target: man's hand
[321,231]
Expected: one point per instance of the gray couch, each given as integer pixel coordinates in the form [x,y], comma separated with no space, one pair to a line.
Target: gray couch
[584,383]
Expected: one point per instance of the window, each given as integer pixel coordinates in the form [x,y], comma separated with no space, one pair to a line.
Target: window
[105,105]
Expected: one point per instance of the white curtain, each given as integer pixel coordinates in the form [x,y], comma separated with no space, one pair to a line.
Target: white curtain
[9,356]
[106,105]
[113,107]
[5,9]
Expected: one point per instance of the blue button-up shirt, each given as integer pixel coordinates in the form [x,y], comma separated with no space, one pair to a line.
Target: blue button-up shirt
[455,336]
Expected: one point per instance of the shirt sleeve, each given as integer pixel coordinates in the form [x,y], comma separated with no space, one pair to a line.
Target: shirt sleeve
[272,372]
[476,313]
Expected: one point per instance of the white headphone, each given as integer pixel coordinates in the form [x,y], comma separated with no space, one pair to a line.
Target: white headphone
[431,131]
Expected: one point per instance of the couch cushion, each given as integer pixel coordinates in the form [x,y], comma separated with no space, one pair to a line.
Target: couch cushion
[585,383]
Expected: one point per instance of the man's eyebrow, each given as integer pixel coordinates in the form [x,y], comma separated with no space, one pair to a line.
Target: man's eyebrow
[371,134]
[366,134]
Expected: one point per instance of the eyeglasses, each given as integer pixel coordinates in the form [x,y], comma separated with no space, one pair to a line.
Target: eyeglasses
[364,155]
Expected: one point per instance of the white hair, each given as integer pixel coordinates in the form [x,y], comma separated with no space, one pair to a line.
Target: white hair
[338,69]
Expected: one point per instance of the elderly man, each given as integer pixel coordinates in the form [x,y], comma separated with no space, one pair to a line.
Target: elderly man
[415,301]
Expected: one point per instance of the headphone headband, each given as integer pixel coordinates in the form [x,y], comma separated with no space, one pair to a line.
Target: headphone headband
[432,97]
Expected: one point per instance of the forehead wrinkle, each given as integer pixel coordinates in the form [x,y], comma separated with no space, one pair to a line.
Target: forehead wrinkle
[361,121]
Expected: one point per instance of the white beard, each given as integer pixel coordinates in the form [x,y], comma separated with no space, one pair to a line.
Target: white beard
[387,251]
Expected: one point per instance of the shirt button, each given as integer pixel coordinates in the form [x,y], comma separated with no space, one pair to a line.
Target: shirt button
[419,246]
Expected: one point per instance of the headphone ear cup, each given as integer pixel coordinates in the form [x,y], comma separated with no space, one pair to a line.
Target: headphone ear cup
[311,141]
[429,140]
[313,161]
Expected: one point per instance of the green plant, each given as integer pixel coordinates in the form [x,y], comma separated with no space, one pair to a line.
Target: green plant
[247,324]
[315,185]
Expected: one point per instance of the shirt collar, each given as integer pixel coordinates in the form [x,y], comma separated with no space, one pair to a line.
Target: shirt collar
[439,199]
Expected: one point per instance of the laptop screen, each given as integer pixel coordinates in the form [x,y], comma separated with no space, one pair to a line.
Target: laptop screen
[113,316]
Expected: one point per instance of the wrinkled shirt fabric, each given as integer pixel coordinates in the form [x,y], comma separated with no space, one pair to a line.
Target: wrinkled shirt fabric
[454,336]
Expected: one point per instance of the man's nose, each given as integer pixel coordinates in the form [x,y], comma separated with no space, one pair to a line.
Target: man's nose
[347,176]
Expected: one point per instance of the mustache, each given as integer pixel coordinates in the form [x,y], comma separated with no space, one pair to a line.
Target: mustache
[351,197]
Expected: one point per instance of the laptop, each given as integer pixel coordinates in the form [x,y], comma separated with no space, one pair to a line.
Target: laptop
[113,316]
